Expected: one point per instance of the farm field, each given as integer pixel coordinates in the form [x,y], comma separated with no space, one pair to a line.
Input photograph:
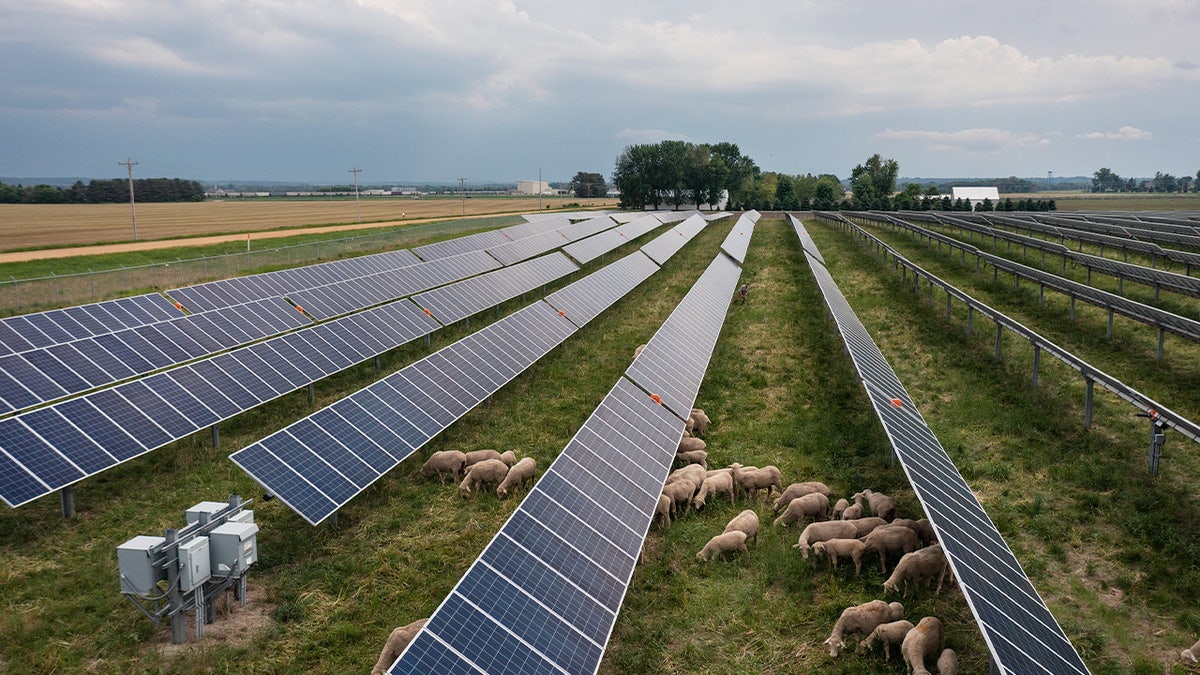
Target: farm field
[1111,550]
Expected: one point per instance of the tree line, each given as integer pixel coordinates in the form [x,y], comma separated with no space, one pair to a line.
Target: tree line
[106,191]
[674,173]
[1105,180]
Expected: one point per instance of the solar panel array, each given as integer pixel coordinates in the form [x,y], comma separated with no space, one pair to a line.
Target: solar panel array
[1019,629]
[491,238]
[548,241]
[666,245]
[460,300]
[545,593]
[57,326]
[738,240]
[586,299]
[587,250]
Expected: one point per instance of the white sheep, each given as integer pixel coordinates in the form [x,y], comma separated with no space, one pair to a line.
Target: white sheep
[694,457]
[396,642]
[815,505]
[687,444]
[797,490]
[520,475]
[508,457]
[922,565]
[841,548]
[489,471]
[1191,654]
[638,352]
[839,509]
[925,640]
[751,482]
[443,462]
[948,663]
[890,539]
[662,512]
[689,428]
[864,526]
[694,474]
[852,512]
[746,521]
[700,422]
[679,491]
[831,529]
[723,543]
[716,484]
[477,456]
[922,527]
[861,620]
[881,505]
[891,633]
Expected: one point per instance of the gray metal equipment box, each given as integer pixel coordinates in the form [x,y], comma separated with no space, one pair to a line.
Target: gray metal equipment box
[194,564]
[138,575]
[193,514]
[234,548]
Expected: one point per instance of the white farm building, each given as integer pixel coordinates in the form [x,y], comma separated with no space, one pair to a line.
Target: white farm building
[976,194]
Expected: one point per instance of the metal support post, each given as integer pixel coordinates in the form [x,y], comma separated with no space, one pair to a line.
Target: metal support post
[377,366]
[948,298]
[1161,333]
[1072,308]
[1157,438]
[970,319]
[999,339]
[174,597]
[1037,355]
[312,393]
[1041,295]
[1110,324]
[67,497]
[216,436]
[1087,403]
[427,340]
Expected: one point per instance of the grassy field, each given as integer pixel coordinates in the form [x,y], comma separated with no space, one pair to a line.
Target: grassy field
[1112,551]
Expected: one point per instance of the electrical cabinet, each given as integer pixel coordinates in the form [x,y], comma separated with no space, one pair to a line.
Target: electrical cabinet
[193,514]
[138,574]
[194,564]
[243,516]
[234,548]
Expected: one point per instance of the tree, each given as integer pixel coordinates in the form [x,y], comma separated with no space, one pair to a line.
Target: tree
[741,171]
[1184,183]
[1164,182]
[589,185]
[874,179]
[1104,180]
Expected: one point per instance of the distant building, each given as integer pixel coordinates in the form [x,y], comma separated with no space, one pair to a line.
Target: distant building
[534,187]
[976,194]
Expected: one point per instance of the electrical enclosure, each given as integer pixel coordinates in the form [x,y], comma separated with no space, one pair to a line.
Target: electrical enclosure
[234,548]
[194,564]
[138,575]
[193,514]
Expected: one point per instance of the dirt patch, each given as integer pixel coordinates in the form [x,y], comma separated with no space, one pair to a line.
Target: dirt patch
[235,626]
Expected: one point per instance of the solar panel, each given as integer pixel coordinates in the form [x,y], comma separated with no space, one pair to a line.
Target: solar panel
[1020,631]
[587,250]
[464,298]
[667,244]
[738,240]
[586,299]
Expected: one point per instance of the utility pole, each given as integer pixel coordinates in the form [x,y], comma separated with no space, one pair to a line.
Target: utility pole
[129,164]
[462,182]
[357,211]
[539,188]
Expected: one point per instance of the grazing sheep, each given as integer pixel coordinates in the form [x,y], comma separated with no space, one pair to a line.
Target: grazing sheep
[723,543]
[477,456]
[508,457]
[443,462]
[866,525]
[889,634]
[948,663]
[689,428]
[693,474]
[488,471]
[760,479]
[841,548]
[925,640]
[520,475]
[638,352]
[881,505]
[662,512]
[853,512]
[687,444]
[797,490]
[396,643]
[890,539]
[679,491]
[832,529]
[694,457]
[861,620]
[716,484]
[1191,654]
[713,472]
[839,509]
[922,565]
[700,422]
[815,505]
[922,527]
[746,521]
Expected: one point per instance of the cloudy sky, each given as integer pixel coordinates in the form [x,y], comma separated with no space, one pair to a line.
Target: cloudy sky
[431,90]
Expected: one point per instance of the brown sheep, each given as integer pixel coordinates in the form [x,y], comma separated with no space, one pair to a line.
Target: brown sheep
[396,643]
[488,471]
[800,509]
[922,565]
[861,620]
[751,482]
[841,548]
[723,543]
[832,529]
[864,526]
[688,444]
[700,422]
[694,457]
[925,640]
[508,457]
[1191,654]
[881,505]
[443,462]
[797,490]
[853,512]
[889,634]
[948,663]
[694,474]
[890,539]
[662,512]
[679,491]
[520,475]
[839,509]
[922,527]
[718,483]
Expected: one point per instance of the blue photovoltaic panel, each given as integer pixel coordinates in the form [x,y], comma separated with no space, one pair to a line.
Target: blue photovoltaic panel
[523,249]
[1016,624]
[668,244]
[738,240]
[586,299]
[460,300]
[587,250]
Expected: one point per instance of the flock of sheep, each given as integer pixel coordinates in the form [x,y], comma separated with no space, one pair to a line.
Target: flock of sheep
[479,468]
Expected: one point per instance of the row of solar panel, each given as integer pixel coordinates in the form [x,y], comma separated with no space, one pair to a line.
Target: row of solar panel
[489,239]
[738,240]
[449,304]
[537,244]
[587,250]
[1018,627]
[1160,233]
[1150,248]
[545,593]
[35,377]
[44,329]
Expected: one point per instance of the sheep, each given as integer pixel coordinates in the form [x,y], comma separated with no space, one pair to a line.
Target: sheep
[694,457]
[921,565]
[694,474]
[797,490]
[508,457]
[520,475]
[487,471]
[746,521]
[881,505]
[679,491]
[638,352]
[889,539]
[926,639]
[922,527]
[752,481]
[700,422]
[477,456]
[861,620]
[719,483]
[815,505]
[689,428]
[889,634]
[723,543]
[445,461]
[843,548]
[396,643]
[687,444]
[838,509]
[1191,654]
[948,663]
[662,512]
[832,529]
[866,525]
[852,512]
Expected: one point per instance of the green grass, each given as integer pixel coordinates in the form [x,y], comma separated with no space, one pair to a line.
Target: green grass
[1108,548]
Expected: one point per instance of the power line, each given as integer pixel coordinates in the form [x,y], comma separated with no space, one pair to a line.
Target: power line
[462,183]
[129,164]
[357,212]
